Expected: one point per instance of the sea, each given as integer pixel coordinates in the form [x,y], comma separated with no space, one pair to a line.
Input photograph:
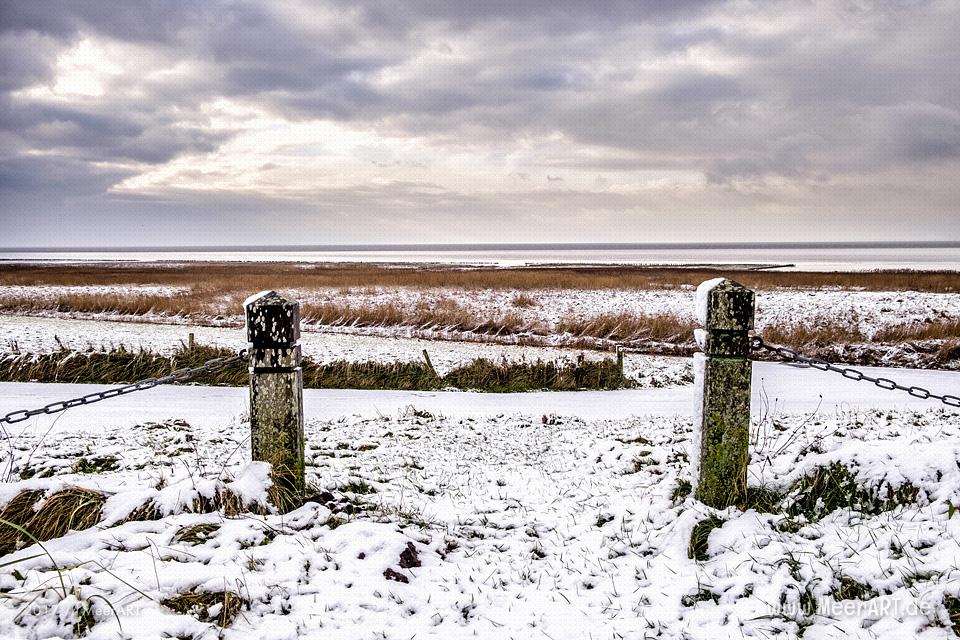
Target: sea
[851,256]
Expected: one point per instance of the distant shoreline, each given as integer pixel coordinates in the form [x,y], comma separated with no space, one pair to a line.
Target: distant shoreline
[492,247]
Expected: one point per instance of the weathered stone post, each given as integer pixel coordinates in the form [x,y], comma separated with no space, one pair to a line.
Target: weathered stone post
[276,392]
[722,375]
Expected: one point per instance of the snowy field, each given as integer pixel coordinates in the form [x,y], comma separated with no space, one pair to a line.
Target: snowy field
[476,515]
[553,515]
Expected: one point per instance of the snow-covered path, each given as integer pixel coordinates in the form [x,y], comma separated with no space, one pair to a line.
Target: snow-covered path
[778,388]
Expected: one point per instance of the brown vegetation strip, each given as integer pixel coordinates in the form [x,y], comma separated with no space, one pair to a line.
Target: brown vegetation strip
[207,280]
[122,366]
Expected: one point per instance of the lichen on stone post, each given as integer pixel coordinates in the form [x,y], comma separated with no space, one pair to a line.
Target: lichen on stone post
[276,393]
[722,376]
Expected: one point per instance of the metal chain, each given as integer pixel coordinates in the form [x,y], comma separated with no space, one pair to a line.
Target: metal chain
[757,344]
[178,375]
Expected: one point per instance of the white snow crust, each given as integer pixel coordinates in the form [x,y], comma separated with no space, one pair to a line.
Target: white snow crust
[703,298]
[524,526]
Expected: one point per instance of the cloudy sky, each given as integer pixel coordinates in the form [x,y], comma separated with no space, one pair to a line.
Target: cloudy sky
[178,123]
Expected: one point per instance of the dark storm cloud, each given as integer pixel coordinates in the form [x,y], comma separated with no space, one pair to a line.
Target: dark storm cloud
[55,177]
[145,20]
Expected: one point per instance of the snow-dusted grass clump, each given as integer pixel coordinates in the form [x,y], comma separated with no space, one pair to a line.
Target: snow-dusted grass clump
[511,526]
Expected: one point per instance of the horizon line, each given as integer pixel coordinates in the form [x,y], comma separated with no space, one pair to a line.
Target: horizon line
[494,246]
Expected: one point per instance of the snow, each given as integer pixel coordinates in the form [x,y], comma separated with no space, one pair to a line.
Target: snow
[565,529]
[696,440]
[703,298]
[777,388]
[255,297]
[532,515]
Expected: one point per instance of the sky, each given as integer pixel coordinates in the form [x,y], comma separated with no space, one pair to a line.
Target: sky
[197,123]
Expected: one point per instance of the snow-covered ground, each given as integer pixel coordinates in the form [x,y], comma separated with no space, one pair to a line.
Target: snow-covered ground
[532,515]
[526,522]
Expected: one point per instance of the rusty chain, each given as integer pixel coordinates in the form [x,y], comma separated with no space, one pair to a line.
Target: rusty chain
[757,344]
[178,375]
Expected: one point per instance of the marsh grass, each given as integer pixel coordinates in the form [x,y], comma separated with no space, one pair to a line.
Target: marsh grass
[808,334]
[523,300]
[29,517]
[209,281]
[122,366]
[661,327]
[506,377]
[446,314]
[936,330]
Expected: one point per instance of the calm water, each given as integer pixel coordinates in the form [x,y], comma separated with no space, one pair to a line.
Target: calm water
[807,257]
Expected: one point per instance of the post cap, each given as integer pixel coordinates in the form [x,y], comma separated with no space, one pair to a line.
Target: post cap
[272,320]
[725,305]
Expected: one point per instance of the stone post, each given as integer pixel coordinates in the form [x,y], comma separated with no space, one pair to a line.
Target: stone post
[276,392]
[722,376]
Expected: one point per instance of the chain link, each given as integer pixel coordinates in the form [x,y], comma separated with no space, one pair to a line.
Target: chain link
[757,344]
[177,375]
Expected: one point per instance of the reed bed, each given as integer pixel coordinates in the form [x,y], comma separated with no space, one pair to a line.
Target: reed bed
[629,327]
[446,314]
[123,366]
[504,378]
[209,280]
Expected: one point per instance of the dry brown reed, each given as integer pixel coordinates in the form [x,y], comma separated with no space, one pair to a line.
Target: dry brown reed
[936,330]
[208,280]
[662,327]
[523,300]
[800,334]
[445,314]
[73,508]
[19,511]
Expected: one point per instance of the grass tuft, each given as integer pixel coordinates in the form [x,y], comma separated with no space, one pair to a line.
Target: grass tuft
[700,538]
[196,534]
[96,464]
[73,508]
[826,489]
[19,511]
[952,605]
[849,589]
[681,491]
[220,607]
